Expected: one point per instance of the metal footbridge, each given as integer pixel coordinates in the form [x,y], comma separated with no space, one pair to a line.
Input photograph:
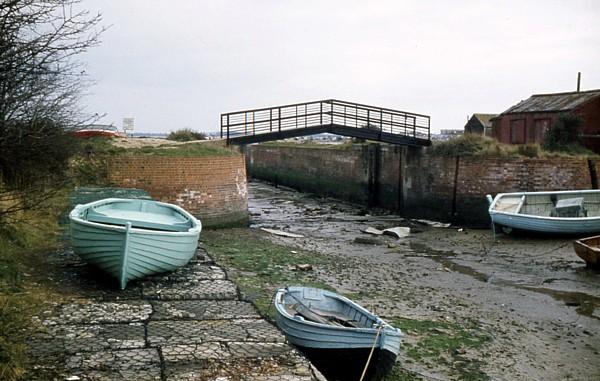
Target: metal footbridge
[332,116]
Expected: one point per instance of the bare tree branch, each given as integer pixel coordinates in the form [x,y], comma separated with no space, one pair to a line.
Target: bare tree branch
[41,81]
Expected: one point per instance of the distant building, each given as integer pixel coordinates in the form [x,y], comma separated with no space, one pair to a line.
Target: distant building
[480,124]
[446,135]
[155,135]
[529,120]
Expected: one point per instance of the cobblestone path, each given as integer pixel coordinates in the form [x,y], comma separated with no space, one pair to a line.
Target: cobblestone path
[186,325]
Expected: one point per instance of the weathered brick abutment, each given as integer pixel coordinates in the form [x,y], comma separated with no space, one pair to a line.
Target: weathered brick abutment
[213,188]
[413,182]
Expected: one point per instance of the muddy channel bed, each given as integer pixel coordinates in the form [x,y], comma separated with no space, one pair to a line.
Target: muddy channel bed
[514,308]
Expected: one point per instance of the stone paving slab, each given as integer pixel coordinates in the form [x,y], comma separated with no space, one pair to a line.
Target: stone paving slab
[86,338]
[193,272]
[189,324]
[192,331]
[102,312]
[203,310]
[194,353]
[206,289]
[252,350]
[291,367]
[136,364]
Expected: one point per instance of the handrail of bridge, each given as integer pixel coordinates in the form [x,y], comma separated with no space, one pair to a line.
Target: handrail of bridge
[323,113]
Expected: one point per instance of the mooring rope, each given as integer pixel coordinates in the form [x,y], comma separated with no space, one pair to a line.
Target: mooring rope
[371,353]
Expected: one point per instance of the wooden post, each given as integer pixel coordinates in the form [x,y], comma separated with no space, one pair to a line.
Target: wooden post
[455,188]
[593,173]
[373,153]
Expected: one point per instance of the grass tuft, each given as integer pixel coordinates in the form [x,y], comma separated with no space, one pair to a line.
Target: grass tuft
[260,267]
[445,342]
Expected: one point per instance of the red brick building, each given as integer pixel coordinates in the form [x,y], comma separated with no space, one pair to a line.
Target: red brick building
[527,121]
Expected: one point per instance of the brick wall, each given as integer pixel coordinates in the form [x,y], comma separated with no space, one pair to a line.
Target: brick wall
[429,191]
[211,188]
[322,171]
[415,183]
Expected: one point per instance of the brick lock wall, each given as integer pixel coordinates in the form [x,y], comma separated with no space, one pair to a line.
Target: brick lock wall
[495,175]
[321,171]
[429,189]
[428,186]
[212,188]
[418,184]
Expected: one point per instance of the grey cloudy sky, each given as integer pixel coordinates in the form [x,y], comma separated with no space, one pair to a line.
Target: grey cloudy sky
[180,63]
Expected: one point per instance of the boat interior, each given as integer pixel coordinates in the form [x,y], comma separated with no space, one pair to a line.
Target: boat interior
[141,213]
[574,205]
[316,306]
[592,243]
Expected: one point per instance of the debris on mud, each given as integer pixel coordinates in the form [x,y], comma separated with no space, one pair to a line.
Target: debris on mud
[367,240]
[282,233]
[398,232]
[373,231]
[472,308]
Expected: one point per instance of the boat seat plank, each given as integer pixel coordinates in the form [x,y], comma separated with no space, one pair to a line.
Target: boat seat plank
[318,316]
[508,204]
[342,318]
[140,220]
[570,207]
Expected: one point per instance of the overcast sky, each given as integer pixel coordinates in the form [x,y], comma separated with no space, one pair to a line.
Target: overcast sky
[181,63]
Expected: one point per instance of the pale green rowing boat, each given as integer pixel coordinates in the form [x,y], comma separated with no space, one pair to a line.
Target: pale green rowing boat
[132,238]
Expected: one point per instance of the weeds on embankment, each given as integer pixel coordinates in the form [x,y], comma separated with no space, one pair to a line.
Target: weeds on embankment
[23,245]
[477,145]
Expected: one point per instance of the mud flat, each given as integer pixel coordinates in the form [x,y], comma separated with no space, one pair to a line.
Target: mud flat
[517,308]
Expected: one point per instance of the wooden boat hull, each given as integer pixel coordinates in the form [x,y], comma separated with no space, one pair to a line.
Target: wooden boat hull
[588,249]
[346,364]
[512,216]
[334,341]
[126,252]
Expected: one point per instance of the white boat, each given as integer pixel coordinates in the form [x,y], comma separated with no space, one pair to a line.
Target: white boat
[557,212]
[132,238]
[333,330]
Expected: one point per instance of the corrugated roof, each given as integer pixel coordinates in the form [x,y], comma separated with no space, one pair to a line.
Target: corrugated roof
[485,119]
[553,102]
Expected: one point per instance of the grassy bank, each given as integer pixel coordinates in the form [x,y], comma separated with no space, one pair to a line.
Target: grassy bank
[477,145]
[23,246]
[260,267]
[110,147]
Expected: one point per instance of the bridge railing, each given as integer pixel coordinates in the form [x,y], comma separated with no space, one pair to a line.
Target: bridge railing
[323,113]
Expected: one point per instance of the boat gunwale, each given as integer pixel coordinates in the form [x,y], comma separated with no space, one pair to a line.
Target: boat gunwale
[196,227]
[499,196]
[582,242]
[386,327]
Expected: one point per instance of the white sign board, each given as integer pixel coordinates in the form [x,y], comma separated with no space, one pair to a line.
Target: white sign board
[128,124]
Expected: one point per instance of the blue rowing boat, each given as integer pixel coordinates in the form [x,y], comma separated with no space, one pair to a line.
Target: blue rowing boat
[133,238]
[332,329]
[557,212]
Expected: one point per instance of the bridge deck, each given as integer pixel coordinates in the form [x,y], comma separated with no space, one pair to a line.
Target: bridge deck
[333,116]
